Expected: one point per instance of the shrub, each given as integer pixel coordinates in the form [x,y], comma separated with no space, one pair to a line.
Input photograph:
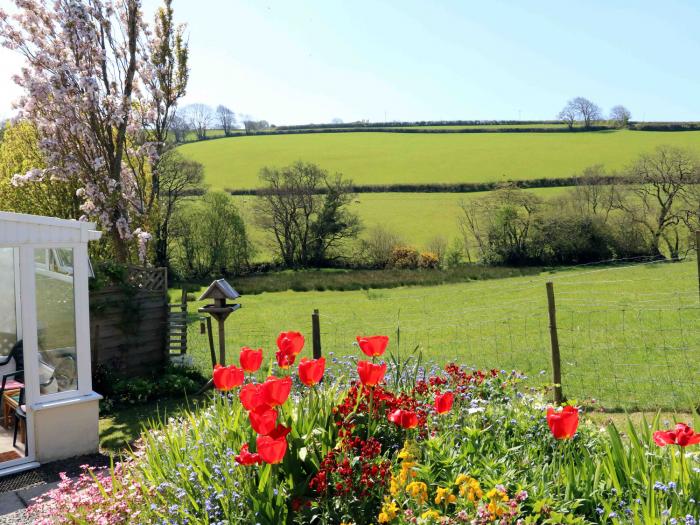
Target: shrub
[376,248]
[404,257]
[428,261]
[573,239]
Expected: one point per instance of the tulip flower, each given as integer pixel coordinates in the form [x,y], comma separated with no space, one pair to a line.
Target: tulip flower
[247,458]
[250,396]
[280,431]
[275,391]
[443,402]
[563,423]
[290,342]
[271,450]
[251,359]
[227,377]
[263,419]
[285,358]
[682,436]
[404,418]
[373,346]
[311,370]
[370,374]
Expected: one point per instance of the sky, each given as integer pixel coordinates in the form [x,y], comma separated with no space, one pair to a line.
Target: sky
[302,61]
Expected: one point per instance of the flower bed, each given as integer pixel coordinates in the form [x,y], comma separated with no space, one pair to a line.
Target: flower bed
[376,443]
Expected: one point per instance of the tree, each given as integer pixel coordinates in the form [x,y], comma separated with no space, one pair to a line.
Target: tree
[179,178]
[305,212]
[620,115]
[568,115]
[180,127]
[199,117]
[336,120]
[587,110]
[251,126]
[227,119]
[97,90]
[660,181]
[593,194]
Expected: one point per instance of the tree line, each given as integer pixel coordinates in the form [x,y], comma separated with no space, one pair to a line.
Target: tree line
[583,111]
[199,119]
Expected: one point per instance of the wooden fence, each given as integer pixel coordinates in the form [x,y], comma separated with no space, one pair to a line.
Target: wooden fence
[129,324]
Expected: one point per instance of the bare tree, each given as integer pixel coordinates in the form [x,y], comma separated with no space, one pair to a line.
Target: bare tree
[661,181]
[305,212]
[587,110]
[568,114]
[620,115]
[251,126]
[336,120]
[180,127]
[593,194]
[377,246]
[200,117]
[227,119]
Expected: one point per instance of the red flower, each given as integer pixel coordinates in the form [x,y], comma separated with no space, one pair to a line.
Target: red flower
[280,431]
[251,359]
[373,346]
[370,374]
[250,396]
[443,402]
[290,342]
[263,419]
[227,377]
[564,423]
[311,370]
[285,358]
[275,391]
[404,418]
[682,436]
[248,458]
[271,450]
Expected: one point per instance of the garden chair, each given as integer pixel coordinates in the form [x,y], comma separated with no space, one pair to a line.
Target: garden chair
[12,370]
[21,415]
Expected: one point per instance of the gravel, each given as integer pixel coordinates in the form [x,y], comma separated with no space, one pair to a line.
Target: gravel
[16,518]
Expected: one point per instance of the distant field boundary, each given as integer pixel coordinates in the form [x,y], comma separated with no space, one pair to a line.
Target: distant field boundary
[461,187]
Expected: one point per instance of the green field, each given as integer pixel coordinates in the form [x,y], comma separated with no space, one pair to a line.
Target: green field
[629,335]
[390,158]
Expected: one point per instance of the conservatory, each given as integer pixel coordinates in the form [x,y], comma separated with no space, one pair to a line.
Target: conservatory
[49,410]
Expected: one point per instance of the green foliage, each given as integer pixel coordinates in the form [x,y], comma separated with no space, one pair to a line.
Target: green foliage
[404,257]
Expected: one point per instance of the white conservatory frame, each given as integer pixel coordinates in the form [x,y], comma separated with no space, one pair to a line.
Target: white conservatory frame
[62,424]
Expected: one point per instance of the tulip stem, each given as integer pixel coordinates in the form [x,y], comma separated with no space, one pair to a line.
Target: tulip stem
[369,414]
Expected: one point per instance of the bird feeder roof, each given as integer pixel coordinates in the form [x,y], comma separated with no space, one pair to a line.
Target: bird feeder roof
[219,289]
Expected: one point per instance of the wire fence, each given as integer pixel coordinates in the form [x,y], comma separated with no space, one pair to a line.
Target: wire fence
[629,336]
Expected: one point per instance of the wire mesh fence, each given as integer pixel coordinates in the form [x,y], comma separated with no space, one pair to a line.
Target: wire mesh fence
[629,336]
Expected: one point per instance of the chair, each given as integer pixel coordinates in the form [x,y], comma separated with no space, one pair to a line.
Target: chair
[13,380]
[21,414]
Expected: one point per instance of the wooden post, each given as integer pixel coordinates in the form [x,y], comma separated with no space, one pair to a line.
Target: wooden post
[222,342]
[211,342]
[316,334]
[556,360]
[697,254]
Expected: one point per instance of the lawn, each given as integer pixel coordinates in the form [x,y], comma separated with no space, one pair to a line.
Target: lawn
[389,158]
[629,336]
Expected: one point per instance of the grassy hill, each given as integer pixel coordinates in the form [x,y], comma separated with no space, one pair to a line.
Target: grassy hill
[628,335]
[388,158]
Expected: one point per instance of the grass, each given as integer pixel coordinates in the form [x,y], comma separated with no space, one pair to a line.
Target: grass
[388,158]
[628,335]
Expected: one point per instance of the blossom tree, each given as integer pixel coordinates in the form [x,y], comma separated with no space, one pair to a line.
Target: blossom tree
[85,65]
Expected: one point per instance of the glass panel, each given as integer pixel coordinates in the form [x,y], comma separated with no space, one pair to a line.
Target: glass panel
[8,306]
[55,305]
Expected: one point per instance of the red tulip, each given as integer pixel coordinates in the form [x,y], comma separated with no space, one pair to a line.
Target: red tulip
[280,431]
[275,391]
[250,396]
[404,418]
[373,346]
[227,377]
[311,370]
[271,450]
[682,436]
[370,374]
[563,423]
[443,402]
[263,419]
[285,358]
[251,359]
[290,342]
[247,458]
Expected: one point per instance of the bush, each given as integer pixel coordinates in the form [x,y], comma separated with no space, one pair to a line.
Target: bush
[428,261]
[571,239]
[404,257]
[376,249]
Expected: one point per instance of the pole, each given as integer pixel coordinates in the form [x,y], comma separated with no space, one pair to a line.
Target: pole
[316,334]
[222,342]
[556,360]
[210,335]
[697,254]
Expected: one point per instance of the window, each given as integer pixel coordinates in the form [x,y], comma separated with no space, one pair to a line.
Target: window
[55,305]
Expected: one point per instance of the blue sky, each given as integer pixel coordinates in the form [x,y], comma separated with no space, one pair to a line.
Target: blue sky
[310,61]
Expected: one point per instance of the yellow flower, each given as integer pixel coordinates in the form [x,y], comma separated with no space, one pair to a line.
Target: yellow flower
[418,491]
[389,511]
[445,495]
[428,514]
[469,487]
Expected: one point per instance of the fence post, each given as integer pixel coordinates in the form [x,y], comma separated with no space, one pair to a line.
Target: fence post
[697,254]
[556,360]
[316,334]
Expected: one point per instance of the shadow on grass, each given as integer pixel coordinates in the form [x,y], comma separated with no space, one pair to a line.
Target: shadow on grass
[119,429]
